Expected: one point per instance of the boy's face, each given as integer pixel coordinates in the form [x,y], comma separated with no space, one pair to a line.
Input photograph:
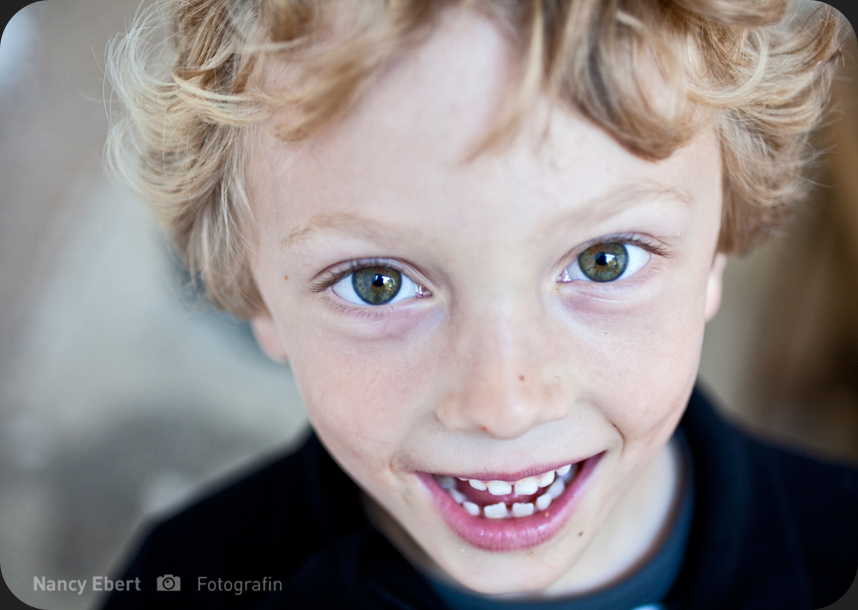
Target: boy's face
[445,317]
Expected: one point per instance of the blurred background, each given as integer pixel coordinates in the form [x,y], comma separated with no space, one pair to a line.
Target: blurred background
[121,396]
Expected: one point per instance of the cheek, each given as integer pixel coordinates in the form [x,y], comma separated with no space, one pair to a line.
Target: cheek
[361,401]
[640,368]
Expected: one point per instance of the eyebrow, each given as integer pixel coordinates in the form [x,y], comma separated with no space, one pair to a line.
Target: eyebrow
[611,203]
[627,195]
[344,221]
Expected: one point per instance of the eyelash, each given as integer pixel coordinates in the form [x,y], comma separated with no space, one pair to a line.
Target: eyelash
[350,267]
[634,239]
[647,244]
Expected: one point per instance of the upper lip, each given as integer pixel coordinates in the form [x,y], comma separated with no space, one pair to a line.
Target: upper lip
[510,477]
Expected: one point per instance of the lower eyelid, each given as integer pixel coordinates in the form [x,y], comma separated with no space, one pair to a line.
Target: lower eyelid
[357,312]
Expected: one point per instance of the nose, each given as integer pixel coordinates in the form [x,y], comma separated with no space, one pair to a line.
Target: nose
[507,374]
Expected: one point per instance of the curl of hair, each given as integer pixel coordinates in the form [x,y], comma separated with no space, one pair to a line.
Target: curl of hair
[758,72]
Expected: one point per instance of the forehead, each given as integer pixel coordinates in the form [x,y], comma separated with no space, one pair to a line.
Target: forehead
[408,146]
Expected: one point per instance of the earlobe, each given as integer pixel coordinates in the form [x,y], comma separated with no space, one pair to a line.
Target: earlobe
[714,285]
[268,337]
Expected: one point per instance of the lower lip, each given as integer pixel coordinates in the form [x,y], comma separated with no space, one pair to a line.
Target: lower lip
[517,533]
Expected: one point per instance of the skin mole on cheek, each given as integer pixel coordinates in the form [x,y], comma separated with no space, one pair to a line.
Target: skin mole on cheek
[580,533]
[484,428]
[521,378]
[285,277]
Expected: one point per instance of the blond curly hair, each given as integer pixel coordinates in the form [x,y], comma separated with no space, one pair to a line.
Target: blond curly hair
[758,72]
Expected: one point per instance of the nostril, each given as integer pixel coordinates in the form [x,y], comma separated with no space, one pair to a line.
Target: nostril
[503,408]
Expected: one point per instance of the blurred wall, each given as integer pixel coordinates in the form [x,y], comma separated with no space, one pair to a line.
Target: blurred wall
[120,397]
[783,352]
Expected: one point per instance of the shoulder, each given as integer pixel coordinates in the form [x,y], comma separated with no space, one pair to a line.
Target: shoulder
[234,517]
[239,511]
[770,523]
[262,524]
[820,502]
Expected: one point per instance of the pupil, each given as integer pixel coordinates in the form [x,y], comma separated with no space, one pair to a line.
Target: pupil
[378,280]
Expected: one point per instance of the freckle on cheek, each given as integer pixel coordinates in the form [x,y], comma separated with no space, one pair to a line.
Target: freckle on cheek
[285,277]
[521,377]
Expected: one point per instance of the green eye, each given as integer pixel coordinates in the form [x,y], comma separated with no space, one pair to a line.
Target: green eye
[604,262]
[376,285]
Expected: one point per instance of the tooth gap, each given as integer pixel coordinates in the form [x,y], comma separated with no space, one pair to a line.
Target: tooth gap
[543,496]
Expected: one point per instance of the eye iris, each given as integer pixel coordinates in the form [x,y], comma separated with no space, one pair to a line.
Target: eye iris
[376,285]
[604,262]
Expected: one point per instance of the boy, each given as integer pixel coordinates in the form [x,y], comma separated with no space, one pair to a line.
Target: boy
[486,237]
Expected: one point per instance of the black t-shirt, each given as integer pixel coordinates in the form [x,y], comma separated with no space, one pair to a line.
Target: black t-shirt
[770,529]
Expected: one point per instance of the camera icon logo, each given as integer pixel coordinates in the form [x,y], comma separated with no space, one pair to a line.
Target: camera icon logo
[168,582]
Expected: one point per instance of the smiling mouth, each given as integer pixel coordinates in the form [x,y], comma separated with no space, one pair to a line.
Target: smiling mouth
[501,516]
[505,499]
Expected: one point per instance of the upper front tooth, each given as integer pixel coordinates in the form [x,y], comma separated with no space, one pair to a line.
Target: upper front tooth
[527,486]
[499,488]
[546,479]
[477,484]
[564,469]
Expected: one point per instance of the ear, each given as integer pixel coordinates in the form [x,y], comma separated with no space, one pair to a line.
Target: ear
[715,285]
[268,337]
